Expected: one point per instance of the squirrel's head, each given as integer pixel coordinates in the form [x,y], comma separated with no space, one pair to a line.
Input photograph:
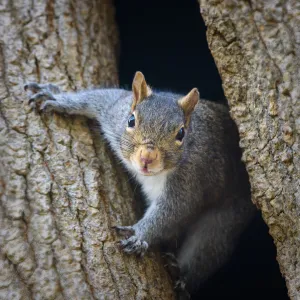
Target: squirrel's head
[155,133]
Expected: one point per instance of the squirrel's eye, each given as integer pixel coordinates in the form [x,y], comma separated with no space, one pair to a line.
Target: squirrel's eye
[131,121]
[180,134]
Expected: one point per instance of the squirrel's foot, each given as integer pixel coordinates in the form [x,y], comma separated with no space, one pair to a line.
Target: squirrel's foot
[171,265]
[132,244]
[180,288]
[174,271]
[42,95]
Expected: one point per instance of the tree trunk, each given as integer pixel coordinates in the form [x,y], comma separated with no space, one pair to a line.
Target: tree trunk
[256,46]
[61,190]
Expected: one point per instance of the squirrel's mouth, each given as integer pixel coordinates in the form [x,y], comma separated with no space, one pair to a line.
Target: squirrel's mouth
[145,170]
[147,161]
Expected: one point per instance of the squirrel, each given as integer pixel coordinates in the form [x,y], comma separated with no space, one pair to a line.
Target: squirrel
[184,152]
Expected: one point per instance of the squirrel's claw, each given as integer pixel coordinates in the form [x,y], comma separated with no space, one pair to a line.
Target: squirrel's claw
[171,264]
[44,95]
[181,291]
[33,87]
[47,106]
[44,99]
[134,245]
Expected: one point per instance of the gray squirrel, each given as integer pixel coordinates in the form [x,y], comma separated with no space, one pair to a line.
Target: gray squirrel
[184,152]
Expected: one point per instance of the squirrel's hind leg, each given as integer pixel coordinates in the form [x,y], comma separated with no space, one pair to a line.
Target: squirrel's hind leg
[207,247]
[171,264]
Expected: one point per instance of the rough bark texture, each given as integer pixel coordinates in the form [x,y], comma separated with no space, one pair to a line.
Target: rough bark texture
[256,46]
[60,188]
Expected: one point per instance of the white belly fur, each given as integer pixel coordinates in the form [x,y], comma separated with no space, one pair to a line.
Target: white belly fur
[153,186]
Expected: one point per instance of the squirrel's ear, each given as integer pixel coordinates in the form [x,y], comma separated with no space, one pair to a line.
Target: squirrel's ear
[188,103]
[140,89]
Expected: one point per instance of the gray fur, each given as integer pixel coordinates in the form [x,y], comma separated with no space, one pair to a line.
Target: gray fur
[204,204]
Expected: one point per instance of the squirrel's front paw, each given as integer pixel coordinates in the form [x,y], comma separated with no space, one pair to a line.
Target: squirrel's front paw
[132,244]
[41,95]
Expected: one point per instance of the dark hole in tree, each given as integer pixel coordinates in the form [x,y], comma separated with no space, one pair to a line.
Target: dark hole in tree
[166,41]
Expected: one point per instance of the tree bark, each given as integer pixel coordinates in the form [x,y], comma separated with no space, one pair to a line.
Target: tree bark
[256,46]
[61,189]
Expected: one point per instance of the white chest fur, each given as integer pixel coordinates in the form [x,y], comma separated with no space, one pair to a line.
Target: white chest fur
[153,186]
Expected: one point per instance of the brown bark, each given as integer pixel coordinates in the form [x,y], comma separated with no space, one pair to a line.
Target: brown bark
[60,187]
[256,46]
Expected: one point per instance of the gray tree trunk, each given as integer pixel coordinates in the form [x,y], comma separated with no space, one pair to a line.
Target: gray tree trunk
[256,46]
[61,190]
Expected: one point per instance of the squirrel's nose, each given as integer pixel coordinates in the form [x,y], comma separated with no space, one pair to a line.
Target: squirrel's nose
[148,155]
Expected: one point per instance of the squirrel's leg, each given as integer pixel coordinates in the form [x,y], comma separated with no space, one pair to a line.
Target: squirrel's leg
[208,246]
[48,97]
[151,229]
[172,267]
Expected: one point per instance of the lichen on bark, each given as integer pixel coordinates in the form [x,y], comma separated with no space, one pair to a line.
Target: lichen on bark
[61,189]
[256,47]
